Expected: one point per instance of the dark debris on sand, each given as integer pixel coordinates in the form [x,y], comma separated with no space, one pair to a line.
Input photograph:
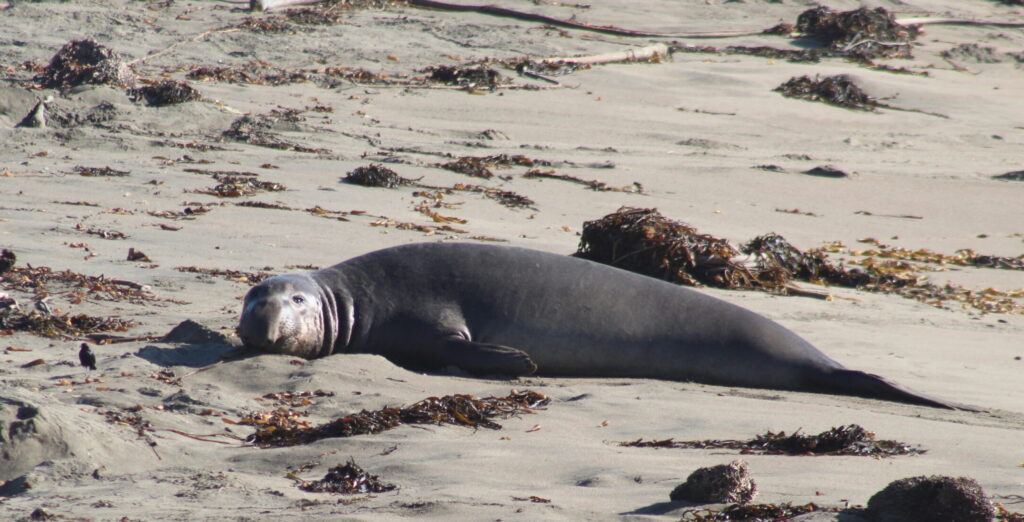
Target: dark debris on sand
[374,175]
[755,512]
[285,427]
[851,440]
[644,241]
[257,129]
[862,33]
[932,499]
[348,479]
[839,90]
[164,93]
[86,62]
[474,77]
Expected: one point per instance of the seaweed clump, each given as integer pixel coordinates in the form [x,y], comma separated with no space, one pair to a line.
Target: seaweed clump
[284,427]
[851,440]
[755,512]
[348,479]
[932,499]
[468,77]
[717,484]
[86,62]
[231,186]
[839,90]
[374,176]
[56,325]
[644,241]
[164,93]
[861,33]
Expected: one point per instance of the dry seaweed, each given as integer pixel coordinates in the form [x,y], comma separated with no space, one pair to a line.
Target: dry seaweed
[41,281]
[592,184]
[164,93]
[105,234]
[851,440]
[234,186]
[374,175]
[284,427]
[237,276]
[470,166]
[255,129]
[296,399]
[347,479]
[838,90]
[99,171]
[57,325]
[189,212]
[861,33]
[643,241]
[86,62]
[470,77]
[755,512]
[262,73]
[505,197]
[263,204]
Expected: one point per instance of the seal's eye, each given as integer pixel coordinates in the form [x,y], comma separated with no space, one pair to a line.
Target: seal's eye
[298,299]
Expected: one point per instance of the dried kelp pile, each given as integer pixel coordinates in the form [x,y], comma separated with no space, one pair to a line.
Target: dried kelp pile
[861,33]
[47,320]
[963,257]
[592,184]
[235,186]
[285,427]
[164,93]
[347,479]
[851,440]
[41,280]
[644,241]
[86,62]
[755,512]
[257,129]
[380,176]
[57,325]
[375,176]
[469,76]
[839,90]
[262,73]
[296,399]
[237,276]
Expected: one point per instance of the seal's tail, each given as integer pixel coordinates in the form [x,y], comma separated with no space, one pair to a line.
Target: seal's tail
[863,384]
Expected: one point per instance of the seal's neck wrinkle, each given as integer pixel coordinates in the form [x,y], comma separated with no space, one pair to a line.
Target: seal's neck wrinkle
[337,321]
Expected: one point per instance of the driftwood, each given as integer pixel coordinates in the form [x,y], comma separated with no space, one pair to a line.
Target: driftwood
[640,54]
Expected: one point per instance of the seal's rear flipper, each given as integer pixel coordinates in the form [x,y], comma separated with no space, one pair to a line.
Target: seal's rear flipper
[863,384]
[484,359]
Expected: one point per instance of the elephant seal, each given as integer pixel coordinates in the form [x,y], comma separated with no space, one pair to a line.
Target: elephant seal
[499,310]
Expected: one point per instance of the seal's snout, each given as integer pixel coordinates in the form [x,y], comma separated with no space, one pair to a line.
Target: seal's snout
[258,327]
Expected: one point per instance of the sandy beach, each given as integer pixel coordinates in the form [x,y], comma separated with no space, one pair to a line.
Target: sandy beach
[246,180]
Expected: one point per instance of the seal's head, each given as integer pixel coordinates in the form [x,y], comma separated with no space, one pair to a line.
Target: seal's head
[285,314]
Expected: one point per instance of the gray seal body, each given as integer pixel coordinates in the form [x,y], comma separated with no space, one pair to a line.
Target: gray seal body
[498,310]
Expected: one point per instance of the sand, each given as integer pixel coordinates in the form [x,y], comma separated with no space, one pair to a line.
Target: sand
[691,130]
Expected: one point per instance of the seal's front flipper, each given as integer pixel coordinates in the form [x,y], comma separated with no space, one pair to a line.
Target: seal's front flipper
[485,359]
